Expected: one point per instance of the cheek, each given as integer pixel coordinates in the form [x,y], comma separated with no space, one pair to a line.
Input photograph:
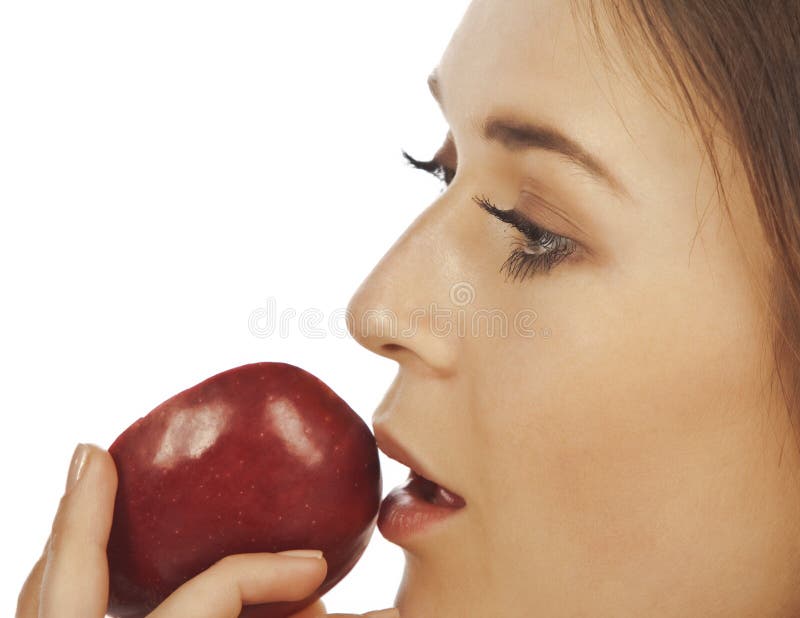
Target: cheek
[622,416]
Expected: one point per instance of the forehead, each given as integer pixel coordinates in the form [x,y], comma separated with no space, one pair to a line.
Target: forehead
[517,51]
[534,57]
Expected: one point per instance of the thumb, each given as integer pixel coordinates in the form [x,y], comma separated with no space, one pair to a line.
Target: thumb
[75,579]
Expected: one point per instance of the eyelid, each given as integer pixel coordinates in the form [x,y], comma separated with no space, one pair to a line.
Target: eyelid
[512,217]
[530,202]
[588,244]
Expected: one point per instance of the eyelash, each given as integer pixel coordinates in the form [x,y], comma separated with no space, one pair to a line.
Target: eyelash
[540,252]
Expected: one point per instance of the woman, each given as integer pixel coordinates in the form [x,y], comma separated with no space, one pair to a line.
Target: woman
[624,175]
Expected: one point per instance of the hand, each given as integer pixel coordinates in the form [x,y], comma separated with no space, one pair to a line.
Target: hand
[70,580]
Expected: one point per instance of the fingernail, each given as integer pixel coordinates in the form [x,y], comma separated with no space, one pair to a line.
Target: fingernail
[302,553]
[77,466]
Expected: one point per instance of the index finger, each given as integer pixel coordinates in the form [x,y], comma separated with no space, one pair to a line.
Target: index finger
[243,579]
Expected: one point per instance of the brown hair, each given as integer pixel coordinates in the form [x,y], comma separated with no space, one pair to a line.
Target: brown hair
[735,64]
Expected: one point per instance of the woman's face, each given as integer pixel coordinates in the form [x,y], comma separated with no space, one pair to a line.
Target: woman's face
[604,415]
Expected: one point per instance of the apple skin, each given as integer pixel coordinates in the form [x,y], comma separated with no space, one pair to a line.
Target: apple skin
[259,458]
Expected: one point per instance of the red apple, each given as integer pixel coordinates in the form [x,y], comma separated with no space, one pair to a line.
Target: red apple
[260,458]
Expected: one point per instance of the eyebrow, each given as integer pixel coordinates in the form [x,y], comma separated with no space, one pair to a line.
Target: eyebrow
[516,134]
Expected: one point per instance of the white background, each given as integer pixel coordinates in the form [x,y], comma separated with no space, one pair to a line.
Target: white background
[165,169]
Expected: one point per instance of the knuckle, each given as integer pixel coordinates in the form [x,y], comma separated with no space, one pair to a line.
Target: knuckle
[28,597]
[61,520]
[24,599]
[226,565]
[56,540]
[63,529]
[63,505]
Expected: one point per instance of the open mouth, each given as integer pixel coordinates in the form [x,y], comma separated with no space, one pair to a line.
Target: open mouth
[415,506]
[416,486]
[432,493]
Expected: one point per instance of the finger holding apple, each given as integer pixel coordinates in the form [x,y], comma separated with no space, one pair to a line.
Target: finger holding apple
[71,577]
[199,507]
[237,581]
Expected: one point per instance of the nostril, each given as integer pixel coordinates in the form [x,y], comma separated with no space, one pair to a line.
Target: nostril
[390,348]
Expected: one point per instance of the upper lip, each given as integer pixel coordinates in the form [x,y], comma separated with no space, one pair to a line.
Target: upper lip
[393,449]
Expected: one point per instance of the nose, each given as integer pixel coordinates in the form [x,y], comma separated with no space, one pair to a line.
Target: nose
[402,309]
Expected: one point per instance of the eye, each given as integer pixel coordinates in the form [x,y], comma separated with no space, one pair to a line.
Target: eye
[434,166]
[539,251]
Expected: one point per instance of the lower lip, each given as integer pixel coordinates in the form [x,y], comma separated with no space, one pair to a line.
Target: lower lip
[413,508]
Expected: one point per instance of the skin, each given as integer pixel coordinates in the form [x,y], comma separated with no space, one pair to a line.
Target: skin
[70,579]
[635,461]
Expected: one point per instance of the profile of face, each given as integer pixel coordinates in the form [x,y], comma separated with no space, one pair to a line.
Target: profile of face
[594,381]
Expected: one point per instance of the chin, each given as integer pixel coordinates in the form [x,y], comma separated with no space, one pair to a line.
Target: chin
[414,602]
[433,593]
